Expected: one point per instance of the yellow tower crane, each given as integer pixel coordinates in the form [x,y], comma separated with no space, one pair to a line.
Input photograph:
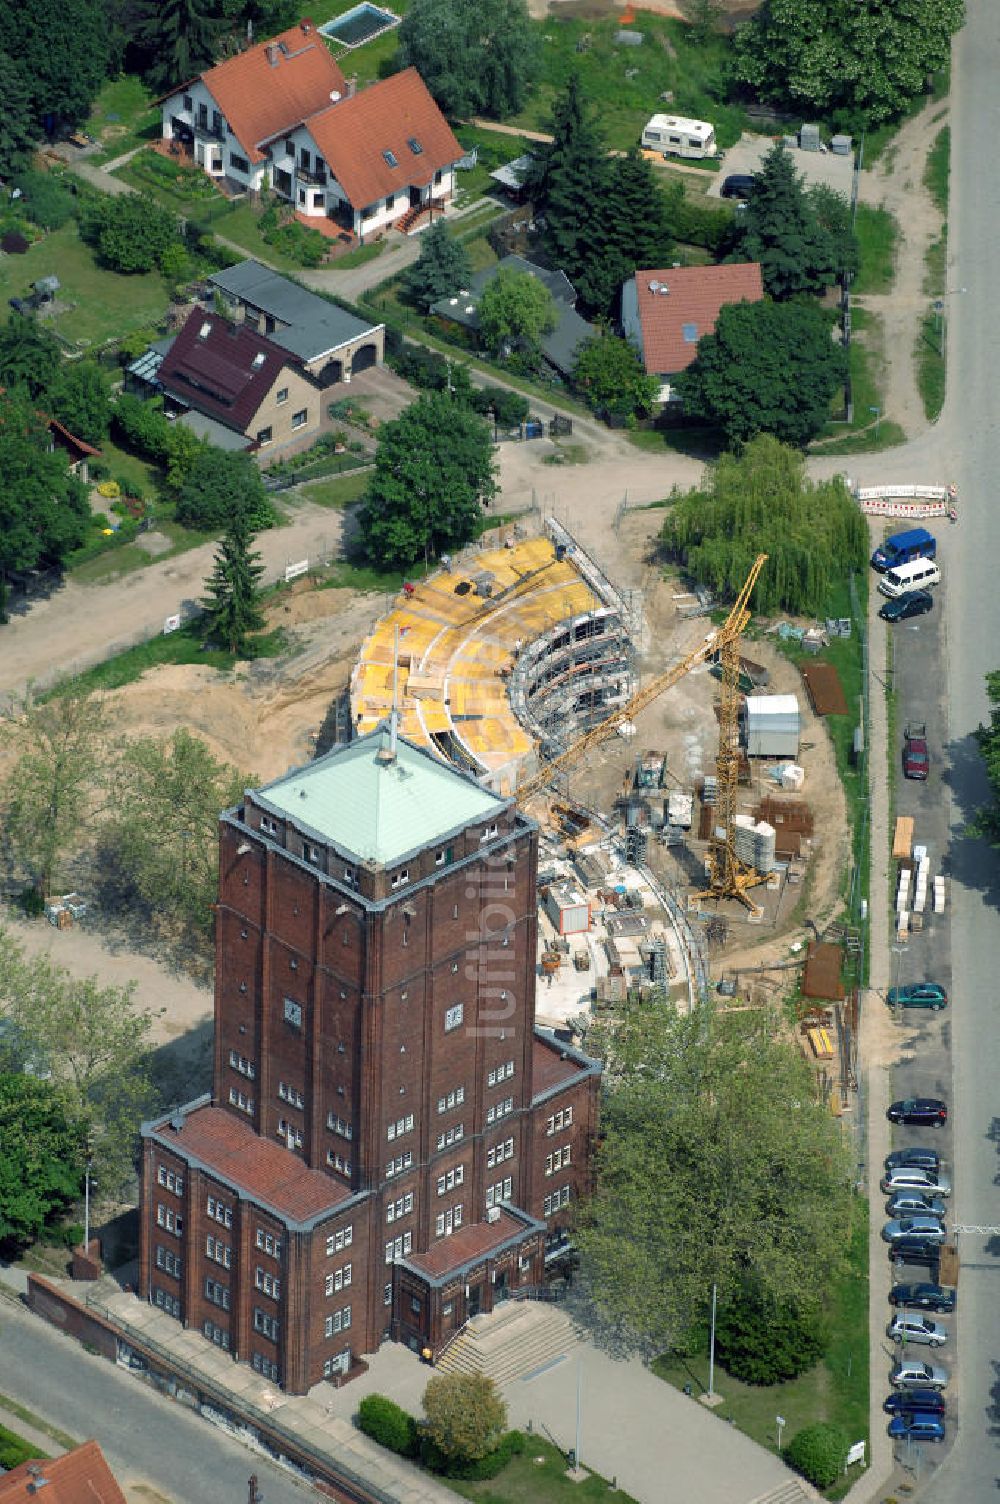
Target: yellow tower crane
[729,876]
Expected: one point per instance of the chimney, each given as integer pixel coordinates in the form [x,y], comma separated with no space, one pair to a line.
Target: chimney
[273,54]
[352,86]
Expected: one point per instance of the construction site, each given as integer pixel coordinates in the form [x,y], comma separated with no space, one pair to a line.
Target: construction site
[675,780]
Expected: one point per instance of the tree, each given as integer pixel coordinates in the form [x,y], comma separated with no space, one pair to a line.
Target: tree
[220,486]
[48,794]
[465,1417]
[567,177]
[780,229]
[763,502]
[232,609]
[637,209]
[176,789]
[818,1452]
[767,368]
[717,1165]
[832,213]
[986,823]
[30,357]
[476,59]
[61,47]
[78,397]
[17,123]
[434,471]
[764,1341]
[41,1158]
[44,511]
[442,267]
[131,232]
[867,59]
[178,37]
[516,310]
[610,373]
[94,1041]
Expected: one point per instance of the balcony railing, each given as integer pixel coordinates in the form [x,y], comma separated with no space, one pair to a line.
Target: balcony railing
[307,175]
[214,132]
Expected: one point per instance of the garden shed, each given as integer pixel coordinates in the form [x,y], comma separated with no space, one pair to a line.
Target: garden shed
[773,726]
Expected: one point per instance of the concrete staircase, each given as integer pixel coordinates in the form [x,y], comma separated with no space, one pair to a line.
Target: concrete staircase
[795,1491]
[510,1342]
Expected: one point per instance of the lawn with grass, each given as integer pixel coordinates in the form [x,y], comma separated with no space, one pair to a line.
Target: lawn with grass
[936,170]
[184,646]
[242,226]
[868,430]
[835,1390]
[99,305]
[372,60]
[928,353]
[122,116]
[360,255]
[877,233]
[538,1476]
[341,491]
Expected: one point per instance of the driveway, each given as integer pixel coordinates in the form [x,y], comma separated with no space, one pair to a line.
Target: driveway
[815,166]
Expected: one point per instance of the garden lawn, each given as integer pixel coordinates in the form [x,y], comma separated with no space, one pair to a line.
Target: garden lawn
[877,233]
[341,491]
[241,227]
[835,1390]
[538,1476]
[122,116]
[101,305]
[372,60]
[867,362]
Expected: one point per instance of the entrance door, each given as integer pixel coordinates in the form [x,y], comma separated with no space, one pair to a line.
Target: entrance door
[500,1290]
[414,197]
[474,1304]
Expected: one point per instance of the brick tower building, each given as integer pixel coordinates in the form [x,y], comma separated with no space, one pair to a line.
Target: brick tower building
[391,1145]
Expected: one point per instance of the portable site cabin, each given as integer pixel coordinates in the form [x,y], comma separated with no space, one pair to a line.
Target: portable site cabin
[677,136]
[773,724]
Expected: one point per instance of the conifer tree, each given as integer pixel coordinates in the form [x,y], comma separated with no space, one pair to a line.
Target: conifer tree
[232,610]
[569,179]
[781,230]
[441,268]
[640,230]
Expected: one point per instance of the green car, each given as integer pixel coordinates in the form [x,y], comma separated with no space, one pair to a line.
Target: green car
[918,995]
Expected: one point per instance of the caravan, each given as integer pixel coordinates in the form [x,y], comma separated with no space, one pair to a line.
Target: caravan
[676,136]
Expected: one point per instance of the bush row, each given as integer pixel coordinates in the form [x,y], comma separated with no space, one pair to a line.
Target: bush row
[397,1430]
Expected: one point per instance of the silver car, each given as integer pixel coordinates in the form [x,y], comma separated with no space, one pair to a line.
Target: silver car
[915,1204]
[911,1326]
[931,1228]
[912,1178]
[911,1373]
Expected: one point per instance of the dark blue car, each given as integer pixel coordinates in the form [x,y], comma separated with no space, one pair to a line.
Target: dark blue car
[910,1401]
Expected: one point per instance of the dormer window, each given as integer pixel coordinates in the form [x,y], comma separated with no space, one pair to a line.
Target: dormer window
[414,146]
[389,158]
[400,878]
[258,360]
[205,329]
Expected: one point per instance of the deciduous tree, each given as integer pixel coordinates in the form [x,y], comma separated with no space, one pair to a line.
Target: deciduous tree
[232,607]
[465,1417]
[41,1158]
[78,397]
[768,368]
[44,511]
[986,823]
[475,59]
[717,1164]
[763,502]
[130,232]
[221,486]
[30,357]
[441,268]
[48,795]
[434,471]
[610,373]
[62,49]
[516,311]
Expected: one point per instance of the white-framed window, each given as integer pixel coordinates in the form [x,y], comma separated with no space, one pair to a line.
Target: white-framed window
[451,1136]
[290,1094]
[241,1100]
[172,1263]
[170,1180]
[558,1199]
[268,1282]
[289,1134]
[338,1162]
[216,1334]
[168,1219]
[500,1074]
[450,1179]
[342,1238]
[268,1243]
[264,1322]
[219,1211]
[399,1127]
[292,1012]
[387,1295]
[401,1162]
[401,877]
[499,1110]
[243,1065]
[339,1279]
[217,1294]
[219,1252]
[264,435]
[338,1321]
[558,1160]
[499,1152]
[398,1248]
[300,418]
[559,1120]
[266,1366]
[167,1302]
[445,1223]
[340,1125]
[453,1099]
[351,876]
[399,1208]
[281,395]
[268,826]
[453,1017]
[501,1191]
[489,831]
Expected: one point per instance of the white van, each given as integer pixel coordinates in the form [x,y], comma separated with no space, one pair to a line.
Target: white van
[919,574]
[676,136]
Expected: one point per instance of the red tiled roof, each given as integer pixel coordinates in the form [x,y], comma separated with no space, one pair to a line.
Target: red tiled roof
[78,1477]
[70,440]
[550,1067]
[261,1169]
[261,99]
[353,135]
[472,1242]
[696,293]
[221,368]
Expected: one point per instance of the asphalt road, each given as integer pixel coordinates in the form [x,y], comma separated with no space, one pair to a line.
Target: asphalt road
[145,1437]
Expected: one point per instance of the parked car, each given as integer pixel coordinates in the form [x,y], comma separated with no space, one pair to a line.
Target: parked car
[915,1204]
[916,758]
[738,185]
[913,1158]
[918,1425]
[914,1373]
[924,1297]
[931,1401]
[929,1112]
[913,603]
[910,1326]
[907,1178]
[918,995]
[931,1228]
[912,1249]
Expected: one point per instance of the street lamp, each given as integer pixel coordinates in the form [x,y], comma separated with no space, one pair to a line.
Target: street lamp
[898,951]
[779,1421]
[878,418]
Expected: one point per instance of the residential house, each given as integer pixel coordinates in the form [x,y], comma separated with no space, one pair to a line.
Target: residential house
[558,348]
[282,116]
[665,313]
[80,1476]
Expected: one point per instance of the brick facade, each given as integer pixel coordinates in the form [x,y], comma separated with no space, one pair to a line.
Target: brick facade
[377,1067]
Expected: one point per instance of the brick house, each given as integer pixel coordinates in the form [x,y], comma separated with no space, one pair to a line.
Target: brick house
[391,1145]
[665,313]
[79,1475]
[282,116]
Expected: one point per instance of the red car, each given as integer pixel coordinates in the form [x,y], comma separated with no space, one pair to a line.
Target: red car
[916,758]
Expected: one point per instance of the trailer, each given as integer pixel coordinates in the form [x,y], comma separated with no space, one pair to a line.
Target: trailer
[678,136]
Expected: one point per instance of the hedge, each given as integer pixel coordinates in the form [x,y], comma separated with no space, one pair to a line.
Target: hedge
[389,1424]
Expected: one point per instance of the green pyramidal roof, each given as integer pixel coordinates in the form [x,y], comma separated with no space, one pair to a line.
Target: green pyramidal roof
[377,807]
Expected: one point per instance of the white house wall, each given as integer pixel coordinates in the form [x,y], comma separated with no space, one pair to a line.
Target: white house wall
[213,155]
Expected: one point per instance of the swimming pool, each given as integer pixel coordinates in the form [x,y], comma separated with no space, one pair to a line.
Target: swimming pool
[359,24]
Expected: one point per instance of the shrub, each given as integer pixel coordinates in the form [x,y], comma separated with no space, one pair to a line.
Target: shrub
[472,1468]
[389,1424]
[818,1453]
[47,199]
[14,1451]
[762,1342]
